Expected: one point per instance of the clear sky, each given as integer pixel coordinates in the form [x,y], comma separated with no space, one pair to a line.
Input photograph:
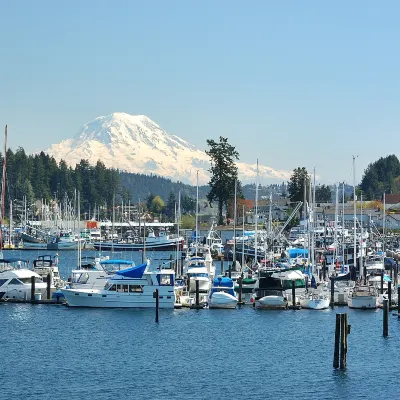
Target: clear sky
[292,83]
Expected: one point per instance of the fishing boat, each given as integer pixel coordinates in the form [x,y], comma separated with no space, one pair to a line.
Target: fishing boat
[162,242]
[129,288]
[363,297]
[222,294]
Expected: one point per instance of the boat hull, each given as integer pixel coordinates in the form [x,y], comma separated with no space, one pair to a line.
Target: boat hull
[100,299]
[271,302]
[162,246]
[222,300]
[362,302]
[315,304]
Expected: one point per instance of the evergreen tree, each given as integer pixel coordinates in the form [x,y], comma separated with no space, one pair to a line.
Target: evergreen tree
[298,185]
[223,173]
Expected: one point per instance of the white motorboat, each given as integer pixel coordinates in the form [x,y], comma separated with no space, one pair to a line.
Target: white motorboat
[361,296]
[270,294]
[129,288]
[196,269]
[315,300]
[17,283]
[47,265]
[222,294]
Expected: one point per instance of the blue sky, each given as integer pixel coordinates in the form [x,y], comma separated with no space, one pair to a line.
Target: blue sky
[292,83]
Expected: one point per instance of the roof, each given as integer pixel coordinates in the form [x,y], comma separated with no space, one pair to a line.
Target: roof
[392,198]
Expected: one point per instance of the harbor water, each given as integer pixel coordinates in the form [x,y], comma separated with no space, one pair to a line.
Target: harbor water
[56,352]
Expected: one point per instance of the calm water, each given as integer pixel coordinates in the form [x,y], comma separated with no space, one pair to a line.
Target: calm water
[51,352]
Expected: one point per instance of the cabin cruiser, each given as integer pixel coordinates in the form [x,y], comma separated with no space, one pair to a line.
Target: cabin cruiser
[362,296]
[270,293]
[128,288]
[16,283]
[199,269]
[315,300]
[222,294]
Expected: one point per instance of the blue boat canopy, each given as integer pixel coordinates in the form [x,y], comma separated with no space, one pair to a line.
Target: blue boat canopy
[293,253]
[134,272]
[121,262]
[223,281]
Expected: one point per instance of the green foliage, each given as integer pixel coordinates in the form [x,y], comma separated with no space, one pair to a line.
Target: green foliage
[157,205]
[188,221]
[223,173]
[323,194]
[380,177]
[296,188]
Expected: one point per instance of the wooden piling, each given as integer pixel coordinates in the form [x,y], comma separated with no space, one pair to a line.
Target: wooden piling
[48,285]
[332,304]
[222,266]
[156,296]
[32,289]
[343,340]
[398,301]
[337,340]
[197,294]
[230,271]
[294,294]
[385,318]
[390,294]
[240,281]
[382,283]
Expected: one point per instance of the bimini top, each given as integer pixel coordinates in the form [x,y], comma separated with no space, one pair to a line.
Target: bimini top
[297,252]
[134,272]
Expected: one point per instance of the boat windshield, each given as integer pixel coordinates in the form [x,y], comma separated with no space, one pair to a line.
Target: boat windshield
[28,280]
[80,277]
[199,275]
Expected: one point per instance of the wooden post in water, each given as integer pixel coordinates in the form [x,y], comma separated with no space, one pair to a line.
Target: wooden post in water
[332,293]
[294,294]
[32,289]
[398,301]
[343,340]
[155,296]
[390,294]
[197,294]
[385,318]
[240,281]
[337,340]
[342,329]
[48,286]
[222,266]
[230,271]
[382,283]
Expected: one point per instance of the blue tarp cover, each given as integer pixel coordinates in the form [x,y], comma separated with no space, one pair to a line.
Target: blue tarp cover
[223,281]
[134,272]
[298,253]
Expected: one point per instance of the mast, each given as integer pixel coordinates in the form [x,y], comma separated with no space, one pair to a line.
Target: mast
[384,222]
[112,223]
[343,223]
[197,211]
[361,239]
[3,189]
[256,222]
[234,227]
[355,213]
[242,238]
[313,266]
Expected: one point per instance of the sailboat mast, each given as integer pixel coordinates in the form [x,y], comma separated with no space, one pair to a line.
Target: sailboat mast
[361,239]
[234,226]
[384,221]
[242,238]
[3,187]
[355,213]
[256,221]
[197,211]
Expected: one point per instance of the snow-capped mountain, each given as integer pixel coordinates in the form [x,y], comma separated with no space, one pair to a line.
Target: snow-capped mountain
[135,143]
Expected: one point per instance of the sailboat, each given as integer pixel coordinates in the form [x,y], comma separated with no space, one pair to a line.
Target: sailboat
[3,191]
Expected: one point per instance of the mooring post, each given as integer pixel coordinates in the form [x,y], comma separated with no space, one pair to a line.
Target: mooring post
[48,286]
[197,294]
[155,296]
[230,271]
[390,294]
[382,283]
[222,266]
[385,318]
[343,339]
[240,281]
[332,293]
[294,294]
[337,339]
[398,301]
[32,289]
